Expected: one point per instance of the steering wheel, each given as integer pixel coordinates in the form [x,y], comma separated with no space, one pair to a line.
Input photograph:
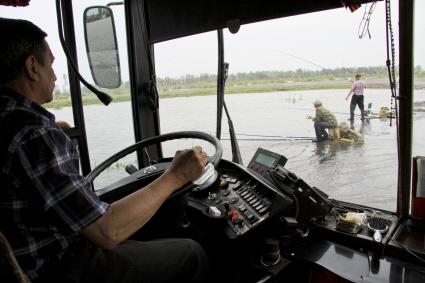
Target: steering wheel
[214,159]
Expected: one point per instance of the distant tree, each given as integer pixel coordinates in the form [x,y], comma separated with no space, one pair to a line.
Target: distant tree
[418,71]
[342,73]
[65,86]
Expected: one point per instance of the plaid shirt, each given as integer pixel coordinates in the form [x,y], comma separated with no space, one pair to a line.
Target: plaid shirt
[44,201]
[358,87]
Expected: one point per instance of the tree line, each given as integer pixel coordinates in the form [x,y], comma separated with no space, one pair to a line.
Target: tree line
[376,72]
[299,75]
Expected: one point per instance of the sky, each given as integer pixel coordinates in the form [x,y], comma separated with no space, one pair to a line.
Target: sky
[314,41]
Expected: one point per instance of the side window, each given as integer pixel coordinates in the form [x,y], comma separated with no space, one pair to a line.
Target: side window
[109,128]
[418,148]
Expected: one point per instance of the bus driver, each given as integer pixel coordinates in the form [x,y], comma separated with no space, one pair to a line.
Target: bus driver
[55,223]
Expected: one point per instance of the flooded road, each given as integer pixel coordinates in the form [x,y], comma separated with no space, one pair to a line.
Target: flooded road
[360,173]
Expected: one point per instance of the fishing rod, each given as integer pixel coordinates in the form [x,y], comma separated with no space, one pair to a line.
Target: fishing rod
[250,137]
[271,136]
[282,139]
[308,109]
[310,62]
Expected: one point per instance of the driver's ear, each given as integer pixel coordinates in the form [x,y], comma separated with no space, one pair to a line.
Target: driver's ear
[32,68]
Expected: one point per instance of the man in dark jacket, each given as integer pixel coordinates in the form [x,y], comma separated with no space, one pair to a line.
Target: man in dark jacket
[323,120]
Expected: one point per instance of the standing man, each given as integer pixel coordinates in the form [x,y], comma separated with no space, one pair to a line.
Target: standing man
[357,91]
[58,228]
[323,120]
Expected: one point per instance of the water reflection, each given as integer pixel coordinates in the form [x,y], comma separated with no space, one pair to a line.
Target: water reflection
[326,151]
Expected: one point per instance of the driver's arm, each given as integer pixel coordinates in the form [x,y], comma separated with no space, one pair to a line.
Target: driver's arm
[129,214]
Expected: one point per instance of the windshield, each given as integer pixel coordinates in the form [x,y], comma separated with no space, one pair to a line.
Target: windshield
[277,69]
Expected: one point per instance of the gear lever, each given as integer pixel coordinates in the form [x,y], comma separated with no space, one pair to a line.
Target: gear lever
[208,178]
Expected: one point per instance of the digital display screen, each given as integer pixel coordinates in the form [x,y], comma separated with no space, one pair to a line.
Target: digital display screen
[265,160]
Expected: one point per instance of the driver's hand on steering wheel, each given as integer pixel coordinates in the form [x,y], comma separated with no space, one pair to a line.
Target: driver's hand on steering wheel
[188,164]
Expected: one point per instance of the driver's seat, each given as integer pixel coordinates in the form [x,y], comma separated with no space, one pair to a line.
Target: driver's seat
[10,271]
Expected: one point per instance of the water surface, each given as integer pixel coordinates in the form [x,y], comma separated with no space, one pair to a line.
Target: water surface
[360,173]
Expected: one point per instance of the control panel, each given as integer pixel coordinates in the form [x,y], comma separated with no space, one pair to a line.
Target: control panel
[310,203]
[241,200]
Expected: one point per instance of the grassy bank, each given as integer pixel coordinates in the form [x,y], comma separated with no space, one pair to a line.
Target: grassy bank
[123,94]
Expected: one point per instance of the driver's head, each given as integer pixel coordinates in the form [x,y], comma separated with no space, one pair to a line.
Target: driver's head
[26,60]
[20,39]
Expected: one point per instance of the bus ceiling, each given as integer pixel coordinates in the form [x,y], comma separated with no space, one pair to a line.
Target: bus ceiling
[170,19]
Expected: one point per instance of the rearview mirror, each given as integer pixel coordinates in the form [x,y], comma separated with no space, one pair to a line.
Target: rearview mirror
[101,46]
